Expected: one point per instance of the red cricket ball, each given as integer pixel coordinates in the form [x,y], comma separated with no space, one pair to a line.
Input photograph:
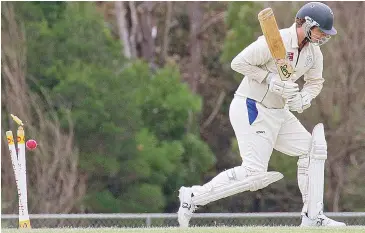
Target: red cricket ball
[31,144]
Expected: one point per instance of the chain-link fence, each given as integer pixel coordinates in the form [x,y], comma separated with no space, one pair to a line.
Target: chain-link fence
[170,220]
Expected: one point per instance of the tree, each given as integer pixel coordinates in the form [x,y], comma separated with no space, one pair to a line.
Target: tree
[54,181]
[128,120]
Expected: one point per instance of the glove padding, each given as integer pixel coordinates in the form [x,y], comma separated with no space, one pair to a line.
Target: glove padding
[285,89]
[299,102]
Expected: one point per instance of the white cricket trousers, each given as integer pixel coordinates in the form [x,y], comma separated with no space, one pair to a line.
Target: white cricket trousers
[259,130]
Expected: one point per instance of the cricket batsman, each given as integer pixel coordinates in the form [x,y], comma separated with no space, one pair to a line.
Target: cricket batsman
[262,119]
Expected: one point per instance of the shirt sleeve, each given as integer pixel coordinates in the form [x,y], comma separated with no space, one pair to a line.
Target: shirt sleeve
[313,78]
[248,61]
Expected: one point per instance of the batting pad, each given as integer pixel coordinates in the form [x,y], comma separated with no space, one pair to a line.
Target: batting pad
[250,183]
[317,158]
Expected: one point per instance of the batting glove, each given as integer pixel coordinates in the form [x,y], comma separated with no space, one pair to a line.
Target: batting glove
[285,89]
[299,102]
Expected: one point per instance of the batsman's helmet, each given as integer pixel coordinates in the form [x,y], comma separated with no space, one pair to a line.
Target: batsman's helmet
[320,15]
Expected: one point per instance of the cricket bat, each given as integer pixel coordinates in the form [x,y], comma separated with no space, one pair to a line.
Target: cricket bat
[273,38]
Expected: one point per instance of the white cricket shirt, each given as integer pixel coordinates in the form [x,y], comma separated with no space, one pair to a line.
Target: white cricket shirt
[255,62]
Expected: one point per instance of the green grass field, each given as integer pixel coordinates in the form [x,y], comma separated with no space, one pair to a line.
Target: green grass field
[349,229]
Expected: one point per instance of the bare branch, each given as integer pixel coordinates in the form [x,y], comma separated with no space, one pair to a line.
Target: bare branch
[213,20]
[215,111]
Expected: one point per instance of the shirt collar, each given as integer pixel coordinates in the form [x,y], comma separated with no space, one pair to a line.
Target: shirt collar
[294,36]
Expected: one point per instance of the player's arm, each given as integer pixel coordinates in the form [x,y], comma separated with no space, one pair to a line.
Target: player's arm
[312,86]
[248,61]
[313,78]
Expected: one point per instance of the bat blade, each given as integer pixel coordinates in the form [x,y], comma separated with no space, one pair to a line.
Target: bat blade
[273,38]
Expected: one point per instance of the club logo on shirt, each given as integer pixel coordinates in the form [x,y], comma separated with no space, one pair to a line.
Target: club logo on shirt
[308,61]
[290,56]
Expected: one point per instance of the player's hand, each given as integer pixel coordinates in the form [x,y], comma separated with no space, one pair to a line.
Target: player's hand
[299,102]
[285,89]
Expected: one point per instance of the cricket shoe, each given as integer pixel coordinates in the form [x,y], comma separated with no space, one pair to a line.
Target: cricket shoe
[186,208]
[321,220]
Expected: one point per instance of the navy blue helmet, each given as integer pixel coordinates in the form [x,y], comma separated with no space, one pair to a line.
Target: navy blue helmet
[320,15]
